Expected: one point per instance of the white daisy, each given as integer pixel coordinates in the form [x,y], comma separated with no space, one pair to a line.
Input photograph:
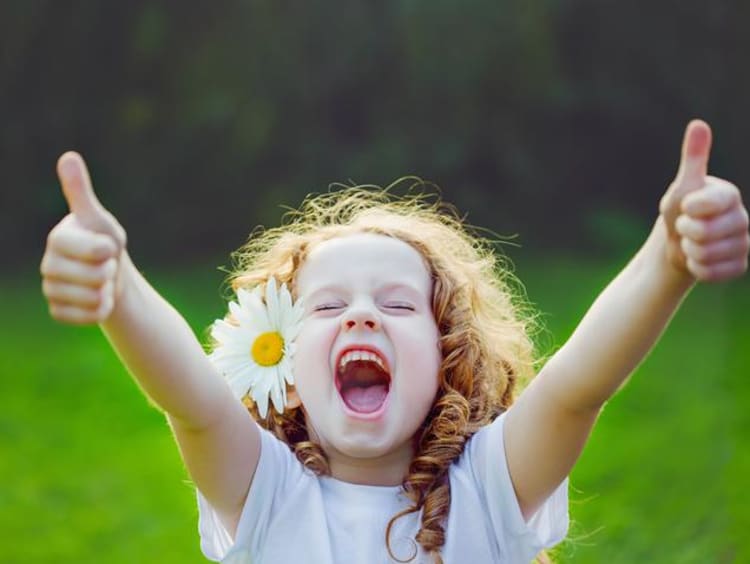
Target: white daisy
[255,351]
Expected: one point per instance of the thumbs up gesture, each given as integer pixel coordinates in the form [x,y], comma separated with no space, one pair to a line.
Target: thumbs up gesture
[83,254]
[705,219]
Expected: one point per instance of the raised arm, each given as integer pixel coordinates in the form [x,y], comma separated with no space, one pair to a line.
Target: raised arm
[89,278]
[701,234]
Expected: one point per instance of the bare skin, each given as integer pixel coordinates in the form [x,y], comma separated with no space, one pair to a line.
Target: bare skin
[701,235]
[88,278]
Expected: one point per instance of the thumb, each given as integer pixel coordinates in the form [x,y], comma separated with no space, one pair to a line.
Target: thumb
[82,201]
[77,188]
[691,174]
[696,149]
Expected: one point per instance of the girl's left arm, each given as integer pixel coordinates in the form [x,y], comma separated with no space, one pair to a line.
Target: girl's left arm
[701,234]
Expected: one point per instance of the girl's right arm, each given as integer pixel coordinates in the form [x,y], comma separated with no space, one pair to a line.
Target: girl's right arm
[88,278]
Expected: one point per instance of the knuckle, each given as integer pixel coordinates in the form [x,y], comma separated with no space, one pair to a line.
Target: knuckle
[107,270]
[699,231]
[664,203]
[44,265]
[100,276]
[121,237]
[88,297]
[53,237]
[744,221]
[49,267]
[56,312]
[694,268]
[103,249]
[691,250]
[682,224]
[701,253]
[47,288]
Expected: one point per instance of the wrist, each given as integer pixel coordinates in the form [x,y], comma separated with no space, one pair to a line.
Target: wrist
[125,285]
[663,259]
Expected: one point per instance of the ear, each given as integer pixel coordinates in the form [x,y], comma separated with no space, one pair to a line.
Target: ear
[292,398]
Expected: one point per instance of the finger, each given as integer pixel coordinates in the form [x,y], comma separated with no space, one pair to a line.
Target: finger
[696,148]
[78,190]
[717,251]
[716,197]
[81,244]
[71,294]
[717,272]
[718,227]
[63,269]
[78,316]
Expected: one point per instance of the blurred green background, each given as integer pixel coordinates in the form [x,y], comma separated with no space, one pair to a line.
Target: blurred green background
[559,122]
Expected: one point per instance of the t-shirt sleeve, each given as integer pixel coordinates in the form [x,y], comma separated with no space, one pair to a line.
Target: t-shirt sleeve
[277,466]
[547,527]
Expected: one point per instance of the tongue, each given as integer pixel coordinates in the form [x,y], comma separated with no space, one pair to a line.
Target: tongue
[365,400]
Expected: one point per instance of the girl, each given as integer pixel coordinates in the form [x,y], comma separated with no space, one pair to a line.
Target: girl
[378,349]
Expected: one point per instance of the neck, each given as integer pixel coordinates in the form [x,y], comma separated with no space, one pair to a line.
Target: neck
[387,470]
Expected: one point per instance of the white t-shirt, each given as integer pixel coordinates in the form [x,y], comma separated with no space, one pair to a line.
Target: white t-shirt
[291,515]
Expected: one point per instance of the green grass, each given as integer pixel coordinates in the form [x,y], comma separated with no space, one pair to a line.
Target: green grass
[664,476]
[90,472]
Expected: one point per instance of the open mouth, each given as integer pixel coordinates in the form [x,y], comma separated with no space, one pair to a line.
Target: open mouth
[362,380]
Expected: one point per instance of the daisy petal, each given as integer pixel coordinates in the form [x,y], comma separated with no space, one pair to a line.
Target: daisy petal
[272,304]
[264,309]
[253,312]
[262,403]
[261,392]
[285,372]
[277,397]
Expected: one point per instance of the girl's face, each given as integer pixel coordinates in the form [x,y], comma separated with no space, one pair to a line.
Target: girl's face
[367,358]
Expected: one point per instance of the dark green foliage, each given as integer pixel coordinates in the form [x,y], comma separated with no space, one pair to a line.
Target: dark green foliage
[198,120]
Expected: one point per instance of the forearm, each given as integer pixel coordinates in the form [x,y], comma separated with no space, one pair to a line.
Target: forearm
[619,329]
[161,352]
[701,234]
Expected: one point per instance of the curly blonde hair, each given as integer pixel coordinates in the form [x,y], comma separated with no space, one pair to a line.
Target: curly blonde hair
[483,324]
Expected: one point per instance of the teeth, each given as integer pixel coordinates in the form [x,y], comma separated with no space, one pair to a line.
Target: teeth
[360,355]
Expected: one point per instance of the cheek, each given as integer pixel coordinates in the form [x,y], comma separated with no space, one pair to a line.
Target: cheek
[312,350]
[423,365]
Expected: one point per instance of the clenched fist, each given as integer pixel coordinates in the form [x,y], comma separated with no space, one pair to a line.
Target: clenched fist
[82,258]
[706,221]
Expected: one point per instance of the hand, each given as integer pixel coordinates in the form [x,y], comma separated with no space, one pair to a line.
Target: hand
[83,254]
[706,221]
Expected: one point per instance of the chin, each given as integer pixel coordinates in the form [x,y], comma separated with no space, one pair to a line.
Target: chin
[363,445]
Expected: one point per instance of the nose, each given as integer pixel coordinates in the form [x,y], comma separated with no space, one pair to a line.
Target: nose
[360,317]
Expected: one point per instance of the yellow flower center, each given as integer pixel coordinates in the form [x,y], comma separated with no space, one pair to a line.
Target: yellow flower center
[267,349]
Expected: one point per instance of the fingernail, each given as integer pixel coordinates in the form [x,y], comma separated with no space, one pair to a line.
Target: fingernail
[67,167]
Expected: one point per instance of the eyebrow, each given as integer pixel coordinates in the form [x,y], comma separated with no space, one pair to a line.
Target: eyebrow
[399,286]
[386,287]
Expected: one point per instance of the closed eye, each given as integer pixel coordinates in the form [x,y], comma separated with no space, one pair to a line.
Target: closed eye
[327,307]
[406,307]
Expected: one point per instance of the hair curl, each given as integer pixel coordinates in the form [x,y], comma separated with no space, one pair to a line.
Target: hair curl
[484,327]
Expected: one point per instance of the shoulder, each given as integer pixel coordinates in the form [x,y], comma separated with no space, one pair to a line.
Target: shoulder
[485,447]
[483,454]
[481,484]
[279,480]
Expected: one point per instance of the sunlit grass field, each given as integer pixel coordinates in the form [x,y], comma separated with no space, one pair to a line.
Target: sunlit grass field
[89,471]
